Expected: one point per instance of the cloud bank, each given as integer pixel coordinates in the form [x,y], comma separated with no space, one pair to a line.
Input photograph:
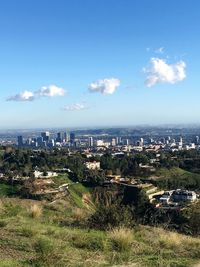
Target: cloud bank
[161,72]
[45,91]
[75,106]
[104,86]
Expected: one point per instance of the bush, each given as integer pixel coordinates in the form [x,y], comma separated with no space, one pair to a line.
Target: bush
[35,211]
[107,217]
[79,214]
[193,217]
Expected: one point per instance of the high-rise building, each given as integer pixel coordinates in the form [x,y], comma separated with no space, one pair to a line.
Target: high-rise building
[120,140]
[66,137]
[90,142]
[141,141]
[20,140]
[126,142]
[116,140]
[197,140]
[163,140]
[40,141]
[168,138]
[113,142]
[180,141]
[45,136]
[30,141]
[51,143]
[151,141]
[72,138]
[59,137]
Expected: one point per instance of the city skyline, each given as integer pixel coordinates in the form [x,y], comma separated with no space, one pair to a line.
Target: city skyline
[98,63]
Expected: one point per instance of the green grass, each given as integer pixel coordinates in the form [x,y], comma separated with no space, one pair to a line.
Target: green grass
[61,179]
[8,190]
[177,178]
[77,191]
[41,241]
[172,172]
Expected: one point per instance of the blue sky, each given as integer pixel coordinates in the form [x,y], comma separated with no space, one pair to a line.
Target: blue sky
[99,62]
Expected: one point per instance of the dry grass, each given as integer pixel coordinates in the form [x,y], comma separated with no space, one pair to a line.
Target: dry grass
[79,214]
[170,239]
[35,211]
[1,206]
[164,240]
[121,238]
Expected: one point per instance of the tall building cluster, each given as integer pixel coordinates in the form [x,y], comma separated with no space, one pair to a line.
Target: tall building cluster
[46,140]
[117,143]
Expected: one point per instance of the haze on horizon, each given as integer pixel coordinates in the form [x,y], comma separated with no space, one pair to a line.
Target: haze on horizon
[99,63]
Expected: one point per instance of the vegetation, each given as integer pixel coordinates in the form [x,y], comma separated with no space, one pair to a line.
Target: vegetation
[177,178]
[42,241]
[35,211]
[95,225]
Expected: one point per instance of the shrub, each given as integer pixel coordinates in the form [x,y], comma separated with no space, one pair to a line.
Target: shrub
[88,241]
[170,239]
[35,211]
[112,216]
[194,219]
[48,253]
[121,238]
[79,214]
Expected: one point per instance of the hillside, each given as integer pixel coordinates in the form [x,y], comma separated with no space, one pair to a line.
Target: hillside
[177,178]
[43,233]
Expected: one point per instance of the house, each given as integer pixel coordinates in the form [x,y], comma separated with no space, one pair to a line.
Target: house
[147,167]
[113,178]
[94,165]
[39,174]
[178,195]
[165,198]
[183,195]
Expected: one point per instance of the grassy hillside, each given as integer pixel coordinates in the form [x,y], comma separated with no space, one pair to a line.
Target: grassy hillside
[40,233]
[177,178]
[78,192]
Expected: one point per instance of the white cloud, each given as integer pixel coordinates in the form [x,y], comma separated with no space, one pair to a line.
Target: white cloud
[75,106]
[24,96]
[51,90]
[104,86]
[159,50]
[161,72]
[45,91]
